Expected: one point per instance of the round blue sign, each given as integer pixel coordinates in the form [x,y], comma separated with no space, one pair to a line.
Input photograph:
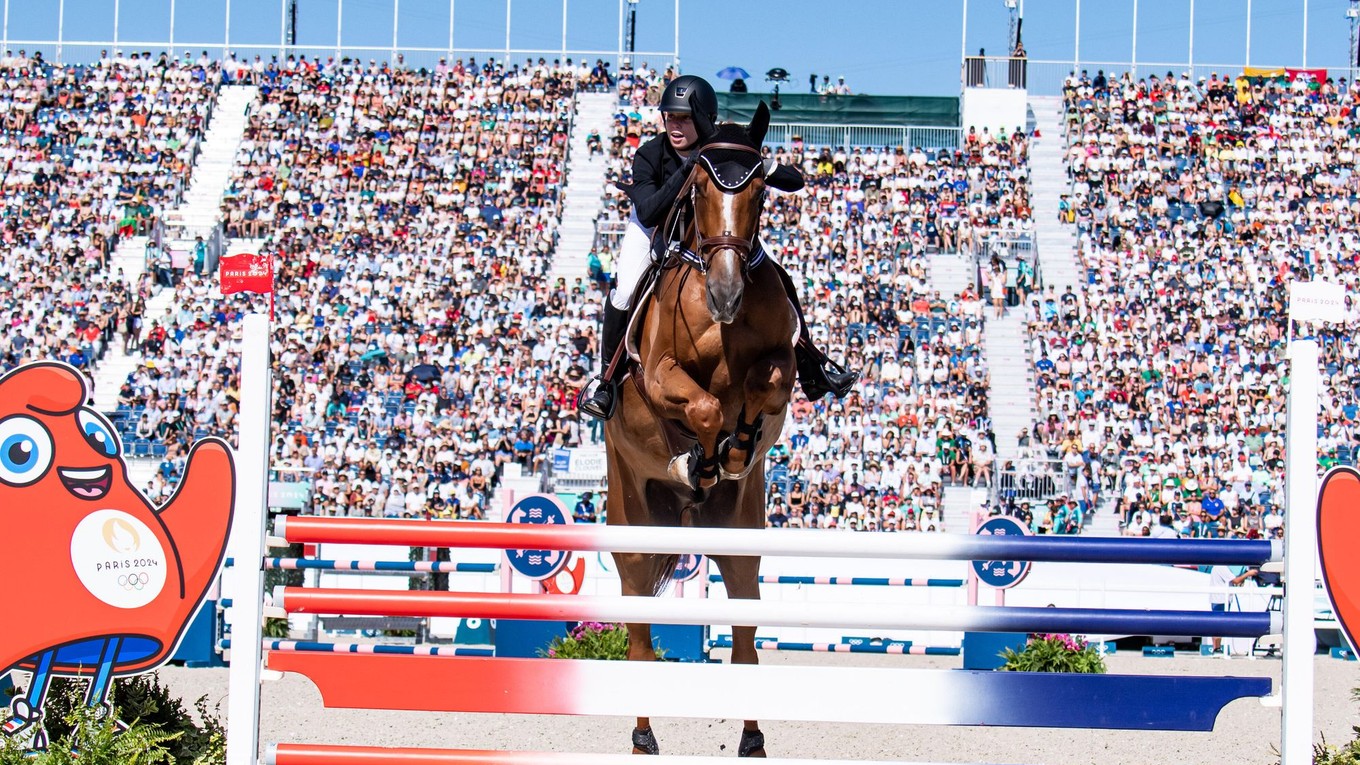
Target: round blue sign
[688,568]
[538,564]
[1001,574]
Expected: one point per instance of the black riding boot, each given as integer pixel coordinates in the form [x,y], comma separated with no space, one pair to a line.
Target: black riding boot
[601,403]
[813,373]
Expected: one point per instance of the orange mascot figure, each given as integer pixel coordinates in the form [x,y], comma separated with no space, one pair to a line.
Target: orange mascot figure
[100,583]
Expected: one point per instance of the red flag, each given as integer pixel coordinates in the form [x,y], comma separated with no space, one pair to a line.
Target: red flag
[247,273]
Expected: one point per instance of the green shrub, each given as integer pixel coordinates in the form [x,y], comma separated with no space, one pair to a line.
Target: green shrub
[160,729]
[592,640]
[1053,652]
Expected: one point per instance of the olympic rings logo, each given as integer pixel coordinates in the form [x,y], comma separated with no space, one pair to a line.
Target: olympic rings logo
[132,582]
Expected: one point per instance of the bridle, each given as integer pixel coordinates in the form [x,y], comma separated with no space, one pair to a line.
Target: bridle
[747,249]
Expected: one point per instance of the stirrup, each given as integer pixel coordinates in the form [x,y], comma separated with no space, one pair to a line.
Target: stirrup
[602,403]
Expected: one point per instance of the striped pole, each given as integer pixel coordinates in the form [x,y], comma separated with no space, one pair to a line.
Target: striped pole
[808,543]
[577,608]
[403,566]
[770,692]
[367,648]
[904,648]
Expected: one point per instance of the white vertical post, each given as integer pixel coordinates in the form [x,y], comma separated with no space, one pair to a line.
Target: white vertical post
[963,41]
[1076,39]
[226,33]
[618,61]
[396,5]
[1191,65]
[172,30]
[1133,65]
[61,25]
[6,30]
[1305,34]
[115,23]
[339,21]
[452,4]
[508,4]
[283,31]
[1248,63]
[246,545]
[675,54]
[564,31]
[1300,554]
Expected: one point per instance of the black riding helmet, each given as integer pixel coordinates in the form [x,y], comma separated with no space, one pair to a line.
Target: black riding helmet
[688,92]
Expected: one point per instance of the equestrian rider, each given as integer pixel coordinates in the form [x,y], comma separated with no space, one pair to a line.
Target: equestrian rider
[689,109]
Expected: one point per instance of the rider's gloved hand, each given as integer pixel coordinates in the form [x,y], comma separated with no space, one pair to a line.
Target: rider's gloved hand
[702,124]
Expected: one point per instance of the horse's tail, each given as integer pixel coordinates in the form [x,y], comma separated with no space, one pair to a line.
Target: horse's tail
[663,570]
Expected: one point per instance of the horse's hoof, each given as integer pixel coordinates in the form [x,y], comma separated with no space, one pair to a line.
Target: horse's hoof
[644,742]
[752,744]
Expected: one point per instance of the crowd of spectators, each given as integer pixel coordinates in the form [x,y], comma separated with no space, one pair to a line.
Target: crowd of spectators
[857,242]
[420,346]
[1161,381]
[414,216]
[89,153]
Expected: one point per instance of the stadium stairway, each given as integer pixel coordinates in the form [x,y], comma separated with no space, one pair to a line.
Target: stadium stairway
[130,257]
[1057,243]
[1011,393]
[582,197]
[201,208]
[950,273]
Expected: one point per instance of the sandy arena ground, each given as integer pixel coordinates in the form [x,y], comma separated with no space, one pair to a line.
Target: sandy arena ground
[1245,734]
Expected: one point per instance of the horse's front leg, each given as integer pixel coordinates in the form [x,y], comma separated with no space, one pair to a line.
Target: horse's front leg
[741,577]
[768,386]
[677,396]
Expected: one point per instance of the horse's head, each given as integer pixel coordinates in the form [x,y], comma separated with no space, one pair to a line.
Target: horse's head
[728,194]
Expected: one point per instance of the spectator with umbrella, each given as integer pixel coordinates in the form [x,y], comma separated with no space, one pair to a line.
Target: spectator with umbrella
[738,77]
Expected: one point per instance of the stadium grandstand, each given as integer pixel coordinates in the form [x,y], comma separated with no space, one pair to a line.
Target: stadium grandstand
[1077,317]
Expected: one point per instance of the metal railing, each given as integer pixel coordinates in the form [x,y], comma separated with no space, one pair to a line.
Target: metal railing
[1047,77]
[851,136]
[995,72]
[1032,479]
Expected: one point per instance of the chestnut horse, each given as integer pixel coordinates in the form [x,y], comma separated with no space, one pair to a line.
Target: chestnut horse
[711,380]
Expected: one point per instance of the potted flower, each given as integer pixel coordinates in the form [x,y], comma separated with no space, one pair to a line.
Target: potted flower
[1053,652]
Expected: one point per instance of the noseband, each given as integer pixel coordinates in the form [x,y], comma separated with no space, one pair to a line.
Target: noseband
[704,246]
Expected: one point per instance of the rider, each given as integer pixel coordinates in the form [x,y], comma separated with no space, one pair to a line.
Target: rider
[689,109]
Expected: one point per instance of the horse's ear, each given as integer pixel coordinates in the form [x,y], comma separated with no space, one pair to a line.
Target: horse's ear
[759,124]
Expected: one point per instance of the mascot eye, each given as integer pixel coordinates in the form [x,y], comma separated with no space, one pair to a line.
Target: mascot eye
[98,433]
[25,450]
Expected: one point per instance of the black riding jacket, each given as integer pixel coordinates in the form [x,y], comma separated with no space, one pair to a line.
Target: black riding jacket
[657,179]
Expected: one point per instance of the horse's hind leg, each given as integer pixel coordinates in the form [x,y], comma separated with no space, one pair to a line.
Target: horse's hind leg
[741,578]
[769,382]
[636,579]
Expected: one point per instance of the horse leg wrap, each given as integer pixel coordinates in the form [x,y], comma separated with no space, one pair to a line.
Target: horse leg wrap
[751,740]
[701,468]
[644,741]
[746,438]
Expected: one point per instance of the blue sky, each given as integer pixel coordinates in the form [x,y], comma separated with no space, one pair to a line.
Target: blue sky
[880,46]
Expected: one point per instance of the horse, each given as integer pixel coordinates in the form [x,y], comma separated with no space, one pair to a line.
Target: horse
[712,373]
